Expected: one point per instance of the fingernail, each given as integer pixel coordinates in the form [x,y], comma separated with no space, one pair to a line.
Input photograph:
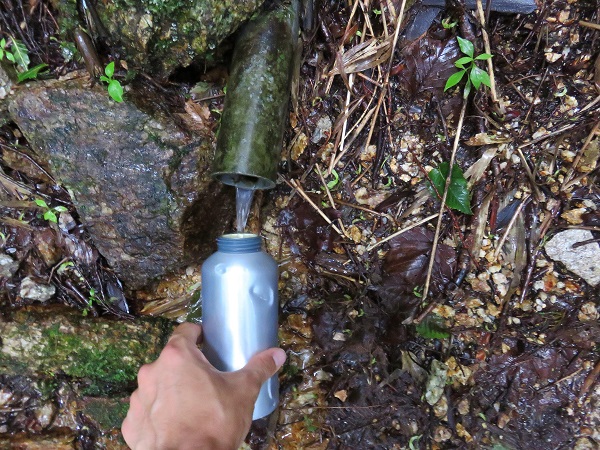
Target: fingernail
[279,357]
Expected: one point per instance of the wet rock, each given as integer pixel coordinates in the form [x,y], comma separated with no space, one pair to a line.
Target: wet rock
[8,266]
[24,441]
[100,355]
[140,183]
[582,260]
[36,291]
[161,36]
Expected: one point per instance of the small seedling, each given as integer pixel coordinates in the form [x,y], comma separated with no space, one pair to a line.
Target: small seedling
[50,214]
[447,24]
[336,179]
[115,90]
[4,52]
[476,77]
[90,301]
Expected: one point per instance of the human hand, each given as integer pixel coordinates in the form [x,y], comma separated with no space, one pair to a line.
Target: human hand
[183,402]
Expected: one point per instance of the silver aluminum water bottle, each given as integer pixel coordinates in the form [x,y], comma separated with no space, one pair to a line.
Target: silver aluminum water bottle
[240,309]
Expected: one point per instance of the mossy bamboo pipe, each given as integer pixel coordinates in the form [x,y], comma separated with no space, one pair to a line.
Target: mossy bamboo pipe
[256,103]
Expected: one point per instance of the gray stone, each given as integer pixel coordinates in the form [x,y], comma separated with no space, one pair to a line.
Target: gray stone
[582,260]
[140,183]
[8,266]
[35,291]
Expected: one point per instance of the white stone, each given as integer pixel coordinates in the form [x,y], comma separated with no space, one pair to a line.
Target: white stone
[583,260]
[34,291]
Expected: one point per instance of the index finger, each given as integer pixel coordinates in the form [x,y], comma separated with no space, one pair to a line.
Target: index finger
[189,332]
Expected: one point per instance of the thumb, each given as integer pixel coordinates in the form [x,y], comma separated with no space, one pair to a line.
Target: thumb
[264,365]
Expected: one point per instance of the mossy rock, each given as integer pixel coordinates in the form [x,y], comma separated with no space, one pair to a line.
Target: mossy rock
[102,355]
[161,35]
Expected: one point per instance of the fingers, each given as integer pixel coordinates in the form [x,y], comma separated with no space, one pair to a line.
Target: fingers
[189,332]
[264,365]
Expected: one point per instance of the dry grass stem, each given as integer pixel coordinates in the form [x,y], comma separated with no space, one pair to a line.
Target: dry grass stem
[438,227]
[403,230]
[585,23]
[488,50]
[510,225]
[580,153]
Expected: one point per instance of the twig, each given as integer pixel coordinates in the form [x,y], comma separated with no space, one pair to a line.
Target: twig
[538,195]
[444,197]
[510,225]
[295,185]
[488,50]
[553,133]
[330,197]
[589,381]
[592,25]
[403,230]
[580,153]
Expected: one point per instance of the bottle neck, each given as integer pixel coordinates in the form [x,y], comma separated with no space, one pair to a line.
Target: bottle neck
[239,243]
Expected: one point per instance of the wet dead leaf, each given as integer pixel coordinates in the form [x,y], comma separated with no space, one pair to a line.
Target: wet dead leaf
[429,62]
[405,265]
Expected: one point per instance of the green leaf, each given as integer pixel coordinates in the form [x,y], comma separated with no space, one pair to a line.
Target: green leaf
[458,197]
[479,77]
[109,70]
[466,46]
[462,61]
[19,51]
[484,56]
[454,79]
[41,203]
[32,73]
[50,216]
[3,43]
[1,54]
[10,56]
[432,328]
[60,209]
[105,79]
[115,90]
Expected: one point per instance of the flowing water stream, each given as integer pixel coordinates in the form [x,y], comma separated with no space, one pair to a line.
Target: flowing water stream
[243,201]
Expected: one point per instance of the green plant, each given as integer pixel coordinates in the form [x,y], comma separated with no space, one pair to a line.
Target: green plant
[459,197]
[467,65]
[336,179]
[413,443]
[447,24]
[18,55]
[50,214]
[115,90]
[432,327]
[90,301]
[4,51]
[32,73]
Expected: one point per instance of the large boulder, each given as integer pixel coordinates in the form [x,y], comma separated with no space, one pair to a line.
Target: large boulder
[140,183]
[159,36]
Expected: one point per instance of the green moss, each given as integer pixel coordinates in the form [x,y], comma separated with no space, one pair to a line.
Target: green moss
[107,413]
[80,359]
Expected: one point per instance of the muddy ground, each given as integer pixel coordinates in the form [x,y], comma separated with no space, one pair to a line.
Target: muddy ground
[491,343]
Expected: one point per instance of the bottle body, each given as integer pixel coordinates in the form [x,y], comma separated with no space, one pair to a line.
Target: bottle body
[240,309]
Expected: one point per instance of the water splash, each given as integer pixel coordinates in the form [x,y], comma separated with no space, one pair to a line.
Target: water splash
[243,201]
